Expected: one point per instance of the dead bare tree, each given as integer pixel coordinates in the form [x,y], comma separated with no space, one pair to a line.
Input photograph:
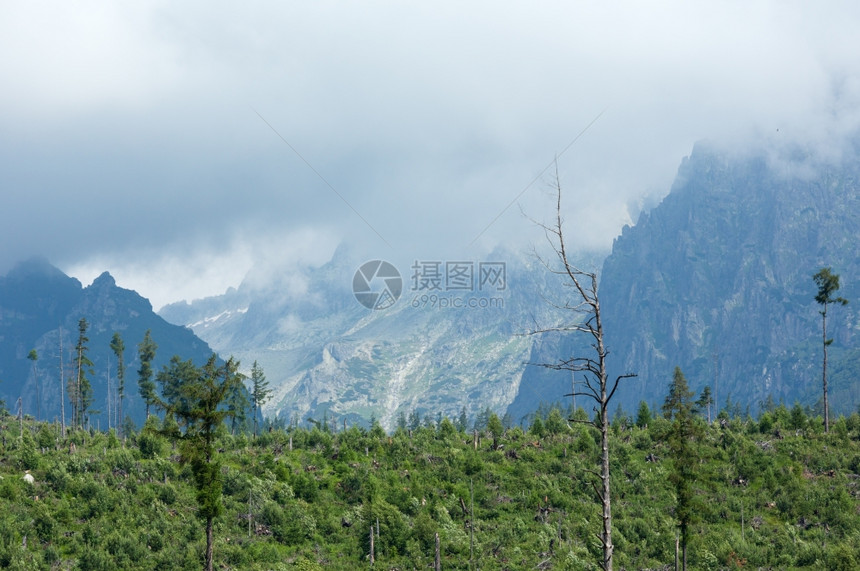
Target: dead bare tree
[595,384]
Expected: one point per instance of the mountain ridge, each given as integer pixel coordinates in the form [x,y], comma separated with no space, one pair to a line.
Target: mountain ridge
[718,279]
[39,304]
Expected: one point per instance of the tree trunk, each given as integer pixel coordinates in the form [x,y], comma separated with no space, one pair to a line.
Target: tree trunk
[438,561]
[824,369]
[210,545]
[62,390]
[78,411]
[608,548]
[676,552]
[684,556]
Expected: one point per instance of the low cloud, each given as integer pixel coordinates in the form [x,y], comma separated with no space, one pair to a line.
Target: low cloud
[132,139]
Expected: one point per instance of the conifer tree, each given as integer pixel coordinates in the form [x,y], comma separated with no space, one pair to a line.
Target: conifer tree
[237,398]
[80,390]
[199,417]
[118,347]
[706,399]
[260,391]
[678,408]
[462,420]
[495,428]
[171,377]
[146,352]
[643,415]
[828,285]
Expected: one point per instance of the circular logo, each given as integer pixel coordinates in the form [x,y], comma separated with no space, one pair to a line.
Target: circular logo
[377,284]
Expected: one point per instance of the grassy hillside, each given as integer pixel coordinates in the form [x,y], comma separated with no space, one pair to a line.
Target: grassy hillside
[776,492]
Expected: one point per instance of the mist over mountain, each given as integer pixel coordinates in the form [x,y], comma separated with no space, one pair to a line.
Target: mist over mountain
[39,305]
[434,351]
[718,280]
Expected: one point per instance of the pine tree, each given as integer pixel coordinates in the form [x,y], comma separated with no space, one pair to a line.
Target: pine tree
[678,408]
[80,390]
[495,428]
[463,420]
[199,417]
[146,352]
[118,347]
[643,415]
[171,378]
[237,399]
[260,391]
[414,420]
[705,401]
[828,284]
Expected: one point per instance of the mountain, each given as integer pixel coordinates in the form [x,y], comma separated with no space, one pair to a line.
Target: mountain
[717,279]
[326,354]
[40,305]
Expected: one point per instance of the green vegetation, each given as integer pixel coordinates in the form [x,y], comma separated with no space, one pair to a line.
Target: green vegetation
[117,345]
[146,352]
[680,439]
[260,392]
[774,492]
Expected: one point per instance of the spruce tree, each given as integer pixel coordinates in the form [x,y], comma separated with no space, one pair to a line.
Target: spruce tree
[80,390]
[146,352]
[171,378]
[643,415]
[678,408]
[828,285]
[199,417]
[260,391]
[118,347]
[237,398]
[706,399]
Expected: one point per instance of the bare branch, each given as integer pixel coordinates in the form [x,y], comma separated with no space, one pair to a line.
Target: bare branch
[615,386]
[595,383]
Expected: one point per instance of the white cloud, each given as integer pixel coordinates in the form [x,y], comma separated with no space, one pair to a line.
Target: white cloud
[164,277]
[129,129]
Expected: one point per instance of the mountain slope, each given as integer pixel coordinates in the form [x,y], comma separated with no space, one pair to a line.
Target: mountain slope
[718,280]
[324,353]
[38,303]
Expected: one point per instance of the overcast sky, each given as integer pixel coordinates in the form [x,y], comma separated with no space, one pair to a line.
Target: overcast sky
[176,144]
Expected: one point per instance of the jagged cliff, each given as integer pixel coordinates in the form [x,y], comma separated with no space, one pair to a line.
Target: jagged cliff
[717,279]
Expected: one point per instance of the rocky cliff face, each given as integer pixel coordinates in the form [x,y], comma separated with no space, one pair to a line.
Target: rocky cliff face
[718,280]
[324,353]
